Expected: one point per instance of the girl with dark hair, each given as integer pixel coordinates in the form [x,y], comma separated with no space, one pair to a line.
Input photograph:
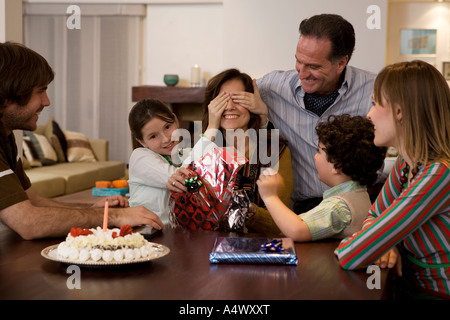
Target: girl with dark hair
[152,124]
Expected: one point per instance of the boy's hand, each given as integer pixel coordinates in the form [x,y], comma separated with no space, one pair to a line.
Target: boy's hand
[268,184]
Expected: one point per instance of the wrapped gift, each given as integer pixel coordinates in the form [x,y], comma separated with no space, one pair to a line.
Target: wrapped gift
[253,250]
[209,193]
[237,213]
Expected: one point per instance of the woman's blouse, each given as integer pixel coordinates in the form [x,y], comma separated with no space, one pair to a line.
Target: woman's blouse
[262,220]
[417,218]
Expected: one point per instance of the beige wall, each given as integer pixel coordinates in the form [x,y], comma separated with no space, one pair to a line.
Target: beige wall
[11,30]
[256,36]
[10,20]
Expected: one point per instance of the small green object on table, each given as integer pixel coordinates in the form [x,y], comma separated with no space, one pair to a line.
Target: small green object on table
[171,79]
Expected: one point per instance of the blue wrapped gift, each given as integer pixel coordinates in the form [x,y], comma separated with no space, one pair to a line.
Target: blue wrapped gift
[253,250]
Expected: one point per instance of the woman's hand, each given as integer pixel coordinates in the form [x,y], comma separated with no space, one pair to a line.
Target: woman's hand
[391,259]
[216,108]
[177,181]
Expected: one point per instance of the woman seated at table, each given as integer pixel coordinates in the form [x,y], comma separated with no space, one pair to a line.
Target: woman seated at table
[411,216]
[223,118]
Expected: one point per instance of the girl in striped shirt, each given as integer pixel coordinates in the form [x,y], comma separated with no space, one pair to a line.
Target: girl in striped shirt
[409,223]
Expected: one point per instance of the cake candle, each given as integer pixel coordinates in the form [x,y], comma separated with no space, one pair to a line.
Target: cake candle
[105,217]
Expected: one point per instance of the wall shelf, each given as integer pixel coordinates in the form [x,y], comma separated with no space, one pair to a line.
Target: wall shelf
[186,102]
[169,94]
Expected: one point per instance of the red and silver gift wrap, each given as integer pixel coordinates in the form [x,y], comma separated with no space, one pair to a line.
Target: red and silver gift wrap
[202,209]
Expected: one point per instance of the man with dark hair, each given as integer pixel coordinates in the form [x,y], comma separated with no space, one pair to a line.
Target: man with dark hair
[334,28]
[24,77]
[322,84]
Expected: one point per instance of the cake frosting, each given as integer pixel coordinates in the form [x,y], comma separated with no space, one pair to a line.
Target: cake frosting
[112,245]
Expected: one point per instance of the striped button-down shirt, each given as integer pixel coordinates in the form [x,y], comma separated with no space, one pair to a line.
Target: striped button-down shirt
[417,218]
[283,94]
[332,215]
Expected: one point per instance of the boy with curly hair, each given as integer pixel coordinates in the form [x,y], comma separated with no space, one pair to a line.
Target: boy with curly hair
[347,161]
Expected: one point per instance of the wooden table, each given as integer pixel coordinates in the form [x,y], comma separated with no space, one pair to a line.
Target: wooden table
[184,274]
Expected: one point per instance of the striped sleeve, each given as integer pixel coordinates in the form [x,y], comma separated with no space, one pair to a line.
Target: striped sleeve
[413,217]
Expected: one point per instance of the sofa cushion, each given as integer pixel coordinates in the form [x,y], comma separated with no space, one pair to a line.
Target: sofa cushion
[25,163]
[108,170]
[83,175]
[78,147]
[29,153]
[100,147]
[80,175]
[46,184]
[55,135]
[42,147]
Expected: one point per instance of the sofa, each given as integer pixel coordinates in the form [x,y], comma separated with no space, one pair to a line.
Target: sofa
[60,162]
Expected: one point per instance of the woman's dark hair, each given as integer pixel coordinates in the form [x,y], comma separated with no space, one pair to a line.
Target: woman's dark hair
[213,89]
[334,28]
[21,70]
[349,147]
[144,111]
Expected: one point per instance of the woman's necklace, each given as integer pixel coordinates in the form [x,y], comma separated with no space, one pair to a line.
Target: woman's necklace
[405,174]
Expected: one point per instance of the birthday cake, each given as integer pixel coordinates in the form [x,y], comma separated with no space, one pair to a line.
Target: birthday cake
[112,245]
